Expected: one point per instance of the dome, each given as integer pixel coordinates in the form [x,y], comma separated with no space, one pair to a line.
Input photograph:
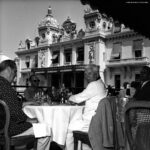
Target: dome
[3,57]
[49,21]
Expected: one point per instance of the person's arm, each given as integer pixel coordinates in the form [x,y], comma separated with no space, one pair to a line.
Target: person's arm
[84,95]
[32,120]
[9,96]
[29,103]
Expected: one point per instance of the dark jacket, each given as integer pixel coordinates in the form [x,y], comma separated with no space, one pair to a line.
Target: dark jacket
[18,122]
[144,92]
[105,131]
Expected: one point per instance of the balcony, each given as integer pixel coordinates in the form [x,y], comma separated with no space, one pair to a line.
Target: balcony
[55,65]
[67,63]
[25,70]
[80,62]
[129,62]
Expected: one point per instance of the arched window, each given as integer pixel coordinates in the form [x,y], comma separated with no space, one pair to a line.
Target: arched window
[27,61]
[92,24]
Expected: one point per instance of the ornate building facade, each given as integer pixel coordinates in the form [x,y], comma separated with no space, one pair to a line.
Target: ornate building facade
[60,53]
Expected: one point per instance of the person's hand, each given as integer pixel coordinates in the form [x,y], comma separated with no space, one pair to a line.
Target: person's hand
[30,103]
[32,120]
[72,103]
[81,104]
[27,103]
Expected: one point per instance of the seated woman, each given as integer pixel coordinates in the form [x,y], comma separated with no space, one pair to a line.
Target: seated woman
[34,89]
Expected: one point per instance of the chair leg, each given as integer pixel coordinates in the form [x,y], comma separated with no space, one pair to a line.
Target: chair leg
[35,145]
[20,147]
[75,144]
[1,147]
[7,147]
[12,148]
[81,146]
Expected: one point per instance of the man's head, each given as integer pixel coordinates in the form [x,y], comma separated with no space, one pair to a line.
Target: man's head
[92,73]
[125,84]
[8,70]
[145,74]
[34,80]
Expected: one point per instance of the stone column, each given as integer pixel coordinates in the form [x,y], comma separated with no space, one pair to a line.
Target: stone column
[86,59]
[61,56]
[74,55]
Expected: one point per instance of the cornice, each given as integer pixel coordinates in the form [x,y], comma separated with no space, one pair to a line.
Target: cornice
[121,35]
[69,42]
[32,50]
[60,68]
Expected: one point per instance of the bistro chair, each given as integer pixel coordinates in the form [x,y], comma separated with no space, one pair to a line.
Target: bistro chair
[6,142]
[80,136]
[105,130]
[21,98]
[137,125]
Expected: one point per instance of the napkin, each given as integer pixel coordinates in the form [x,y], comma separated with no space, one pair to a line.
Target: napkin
[41,130]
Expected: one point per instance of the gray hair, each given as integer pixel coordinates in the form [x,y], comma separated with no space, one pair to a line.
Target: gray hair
[7,63]
[94,69]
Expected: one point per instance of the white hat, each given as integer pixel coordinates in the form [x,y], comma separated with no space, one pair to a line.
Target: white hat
[3,57]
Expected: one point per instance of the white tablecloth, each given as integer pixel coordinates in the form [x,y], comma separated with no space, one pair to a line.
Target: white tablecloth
[55,120]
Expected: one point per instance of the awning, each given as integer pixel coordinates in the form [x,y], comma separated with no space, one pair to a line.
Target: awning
[116,50]
[115,55]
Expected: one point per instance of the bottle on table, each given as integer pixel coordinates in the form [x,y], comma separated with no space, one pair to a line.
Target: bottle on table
[62,97]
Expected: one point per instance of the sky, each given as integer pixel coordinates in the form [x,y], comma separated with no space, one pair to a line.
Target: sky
[19,19]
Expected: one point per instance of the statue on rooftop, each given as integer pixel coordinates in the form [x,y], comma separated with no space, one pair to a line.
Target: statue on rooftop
[20,44]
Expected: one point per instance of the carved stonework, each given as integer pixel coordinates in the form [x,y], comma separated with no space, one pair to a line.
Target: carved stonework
[21,44]
[91,53]
[89,10]
[96,21]
[34,62]
[28,43]
[37,40]
[54,37]
[48,31]
[69,27]
[42,59]
[81,34]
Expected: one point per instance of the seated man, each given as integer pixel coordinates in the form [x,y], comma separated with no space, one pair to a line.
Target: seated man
[143,92]
[30,92]
[20,124]
[94,92]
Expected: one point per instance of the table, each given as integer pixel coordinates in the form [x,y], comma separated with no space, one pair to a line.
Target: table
[56,118]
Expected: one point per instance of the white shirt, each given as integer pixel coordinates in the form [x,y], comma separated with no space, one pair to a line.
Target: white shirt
[92,95]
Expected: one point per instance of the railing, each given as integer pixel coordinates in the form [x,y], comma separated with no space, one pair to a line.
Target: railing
[55,64]
[67,63]
[20,88]
[128,61]
[80,62]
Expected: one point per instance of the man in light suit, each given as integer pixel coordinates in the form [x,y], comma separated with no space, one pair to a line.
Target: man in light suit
[144,91]
[94,92]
